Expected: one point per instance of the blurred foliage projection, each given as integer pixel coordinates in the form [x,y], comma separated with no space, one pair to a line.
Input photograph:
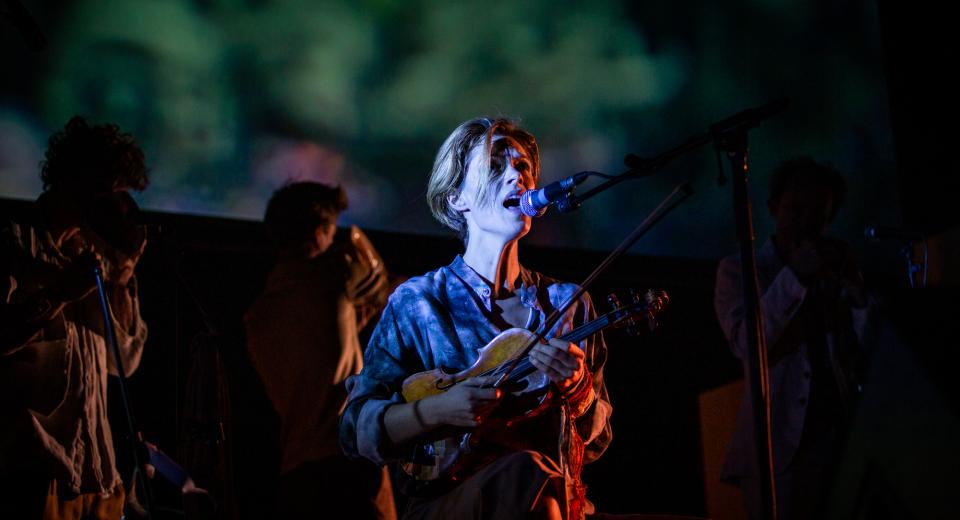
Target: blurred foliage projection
[234,98]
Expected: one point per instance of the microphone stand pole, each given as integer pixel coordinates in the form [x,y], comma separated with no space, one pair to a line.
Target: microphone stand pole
[730,136]
[734,143]
[137,446]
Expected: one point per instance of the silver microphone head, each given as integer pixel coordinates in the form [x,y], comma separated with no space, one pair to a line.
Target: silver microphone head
[527,207]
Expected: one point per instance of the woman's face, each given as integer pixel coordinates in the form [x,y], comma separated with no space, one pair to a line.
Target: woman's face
[515,176]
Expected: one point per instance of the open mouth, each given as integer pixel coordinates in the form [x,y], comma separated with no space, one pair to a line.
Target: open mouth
[512,201]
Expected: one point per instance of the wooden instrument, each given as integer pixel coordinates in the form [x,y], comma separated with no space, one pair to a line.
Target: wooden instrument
[442,457]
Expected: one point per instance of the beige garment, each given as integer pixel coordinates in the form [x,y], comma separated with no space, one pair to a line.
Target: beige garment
[89,506]
[53,390]
[302,340]
[301,336]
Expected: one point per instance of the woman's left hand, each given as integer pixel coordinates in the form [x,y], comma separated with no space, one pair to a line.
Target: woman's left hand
[560,360]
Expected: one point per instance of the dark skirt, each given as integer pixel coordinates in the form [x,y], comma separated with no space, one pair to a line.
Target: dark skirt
[335,487]
[507,488]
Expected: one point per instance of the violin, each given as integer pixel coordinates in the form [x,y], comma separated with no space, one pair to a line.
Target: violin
[527,389]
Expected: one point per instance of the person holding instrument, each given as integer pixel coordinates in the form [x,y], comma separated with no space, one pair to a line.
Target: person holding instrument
[56,448]
[816,318]
[531,466]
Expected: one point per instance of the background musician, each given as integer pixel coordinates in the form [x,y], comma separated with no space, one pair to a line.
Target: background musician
[815,314]
[56,448]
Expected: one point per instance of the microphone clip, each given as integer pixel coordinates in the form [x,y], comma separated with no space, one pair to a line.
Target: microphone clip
[568,203]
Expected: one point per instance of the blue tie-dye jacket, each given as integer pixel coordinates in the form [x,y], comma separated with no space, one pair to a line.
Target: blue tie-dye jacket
[442,319]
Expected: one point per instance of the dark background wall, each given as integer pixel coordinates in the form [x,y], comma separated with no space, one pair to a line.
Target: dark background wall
[920,49]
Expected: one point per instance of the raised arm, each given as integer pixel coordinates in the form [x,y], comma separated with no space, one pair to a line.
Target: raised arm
[780,303]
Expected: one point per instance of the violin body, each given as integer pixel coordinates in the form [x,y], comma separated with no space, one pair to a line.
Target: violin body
[446,456]
[503,348]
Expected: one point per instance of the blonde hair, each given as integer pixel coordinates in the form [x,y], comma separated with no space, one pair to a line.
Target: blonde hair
[450,166]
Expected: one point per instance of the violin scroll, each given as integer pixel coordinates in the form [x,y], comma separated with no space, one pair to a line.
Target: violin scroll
[648,303]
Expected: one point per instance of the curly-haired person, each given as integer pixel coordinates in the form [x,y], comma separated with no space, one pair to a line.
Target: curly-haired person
[56,448]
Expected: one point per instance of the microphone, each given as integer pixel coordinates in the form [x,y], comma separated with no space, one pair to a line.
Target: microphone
[534,203]
[884,233]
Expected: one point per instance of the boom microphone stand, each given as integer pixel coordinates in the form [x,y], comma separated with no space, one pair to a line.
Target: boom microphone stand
[734,143]
[729,136]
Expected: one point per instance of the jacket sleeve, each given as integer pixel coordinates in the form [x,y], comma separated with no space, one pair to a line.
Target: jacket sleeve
[373,390]
[780,302]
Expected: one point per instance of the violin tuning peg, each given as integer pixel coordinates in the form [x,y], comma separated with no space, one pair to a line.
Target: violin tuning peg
[662,297]
[613,301]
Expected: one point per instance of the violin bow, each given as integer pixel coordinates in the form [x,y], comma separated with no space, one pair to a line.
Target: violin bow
[679,194]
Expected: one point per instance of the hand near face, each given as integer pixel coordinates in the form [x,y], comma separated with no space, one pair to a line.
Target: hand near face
[118,266]
[806,261]
[842,275]
[76,280]
[124,264]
